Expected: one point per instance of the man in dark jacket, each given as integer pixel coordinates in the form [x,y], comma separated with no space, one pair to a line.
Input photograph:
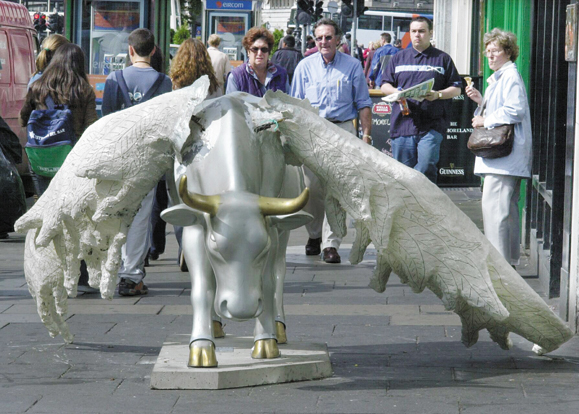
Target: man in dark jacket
[288,56]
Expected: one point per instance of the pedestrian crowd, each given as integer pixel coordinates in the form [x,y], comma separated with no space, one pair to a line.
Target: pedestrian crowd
[335,81]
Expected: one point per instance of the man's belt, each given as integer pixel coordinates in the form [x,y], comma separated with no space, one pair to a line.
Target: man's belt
[337,121]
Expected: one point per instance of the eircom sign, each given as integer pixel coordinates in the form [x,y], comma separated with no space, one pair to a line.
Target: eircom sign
[228,5]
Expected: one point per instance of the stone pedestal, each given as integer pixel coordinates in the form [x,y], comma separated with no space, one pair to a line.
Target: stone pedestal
[299,361]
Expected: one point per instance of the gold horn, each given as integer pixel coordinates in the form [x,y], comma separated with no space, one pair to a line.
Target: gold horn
[208,204]
[273,206]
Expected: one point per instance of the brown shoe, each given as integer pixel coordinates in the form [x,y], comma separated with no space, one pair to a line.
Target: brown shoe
[331,255]
[313,247]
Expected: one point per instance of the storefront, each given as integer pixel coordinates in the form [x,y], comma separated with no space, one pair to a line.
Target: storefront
[230,20]
[101,28]
[456,165]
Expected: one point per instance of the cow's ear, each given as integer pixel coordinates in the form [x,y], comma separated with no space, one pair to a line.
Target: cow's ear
[291,221]
[182,215]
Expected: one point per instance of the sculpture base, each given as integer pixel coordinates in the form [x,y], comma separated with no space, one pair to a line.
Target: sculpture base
[299,361]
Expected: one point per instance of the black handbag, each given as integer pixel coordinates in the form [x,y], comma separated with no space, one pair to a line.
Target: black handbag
[491,143]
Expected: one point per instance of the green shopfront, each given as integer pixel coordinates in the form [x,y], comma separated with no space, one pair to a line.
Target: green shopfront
[102,27]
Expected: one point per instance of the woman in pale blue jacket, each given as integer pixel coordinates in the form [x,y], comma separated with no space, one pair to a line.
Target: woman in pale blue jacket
[505,102]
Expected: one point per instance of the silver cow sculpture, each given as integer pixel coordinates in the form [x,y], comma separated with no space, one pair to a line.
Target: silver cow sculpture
[236,227]
[417,231]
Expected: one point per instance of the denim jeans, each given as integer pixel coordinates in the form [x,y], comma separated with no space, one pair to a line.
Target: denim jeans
[420,152]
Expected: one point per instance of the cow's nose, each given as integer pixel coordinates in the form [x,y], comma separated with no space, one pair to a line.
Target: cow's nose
[240,309]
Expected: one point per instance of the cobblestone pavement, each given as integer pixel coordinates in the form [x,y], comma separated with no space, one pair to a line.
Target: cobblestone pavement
[396,352]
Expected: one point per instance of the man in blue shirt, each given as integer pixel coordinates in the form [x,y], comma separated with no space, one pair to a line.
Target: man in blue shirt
[416,137]
[334,83]
[380,60]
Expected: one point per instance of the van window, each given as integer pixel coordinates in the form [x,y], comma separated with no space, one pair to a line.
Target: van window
[21,53]
[388,23]
[4,58]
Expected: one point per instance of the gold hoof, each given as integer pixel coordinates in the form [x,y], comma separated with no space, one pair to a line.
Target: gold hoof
[218,331]
[265,349]
[280,333]
[202,356]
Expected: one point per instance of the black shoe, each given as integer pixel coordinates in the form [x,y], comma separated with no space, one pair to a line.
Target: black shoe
[154,254]
[129,288]
[182,263]
[313,247]
[331,255]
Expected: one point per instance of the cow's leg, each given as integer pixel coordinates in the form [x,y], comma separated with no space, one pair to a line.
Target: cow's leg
[201,346]
[279,274]
[265,339]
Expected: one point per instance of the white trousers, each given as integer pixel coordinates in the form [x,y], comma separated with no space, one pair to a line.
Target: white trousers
[500,210]
[136,248]
[319,226]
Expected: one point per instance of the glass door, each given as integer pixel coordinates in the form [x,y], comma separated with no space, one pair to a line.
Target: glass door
[105,37]
[231,27]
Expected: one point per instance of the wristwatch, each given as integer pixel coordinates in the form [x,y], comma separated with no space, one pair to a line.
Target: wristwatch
[368,136]
[439,95]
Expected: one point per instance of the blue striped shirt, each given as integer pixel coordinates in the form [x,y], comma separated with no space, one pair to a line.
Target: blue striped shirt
[338,89]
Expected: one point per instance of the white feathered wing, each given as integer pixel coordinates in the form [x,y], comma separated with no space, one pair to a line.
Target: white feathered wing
[91,202]
[418,232]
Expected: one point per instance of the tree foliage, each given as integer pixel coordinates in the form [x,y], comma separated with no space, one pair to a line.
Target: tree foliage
[190,10]
[181,35]
[277,35]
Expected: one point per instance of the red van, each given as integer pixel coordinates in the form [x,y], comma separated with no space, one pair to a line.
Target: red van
[18,47]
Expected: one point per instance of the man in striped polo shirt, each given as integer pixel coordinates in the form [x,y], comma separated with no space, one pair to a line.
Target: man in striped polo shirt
[416,137]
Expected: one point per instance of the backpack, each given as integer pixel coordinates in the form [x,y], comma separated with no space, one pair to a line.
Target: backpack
[50,137]
[128,102]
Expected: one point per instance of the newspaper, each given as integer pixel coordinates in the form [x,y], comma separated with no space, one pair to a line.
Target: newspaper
[417,92]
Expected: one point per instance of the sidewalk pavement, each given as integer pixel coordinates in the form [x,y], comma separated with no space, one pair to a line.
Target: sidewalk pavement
[396,352]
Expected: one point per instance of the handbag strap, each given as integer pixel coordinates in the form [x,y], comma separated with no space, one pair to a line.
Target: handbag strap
[483,107]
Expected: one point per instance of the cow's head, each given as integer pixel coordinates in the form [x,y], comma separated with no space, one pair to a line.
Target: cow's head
[237,240]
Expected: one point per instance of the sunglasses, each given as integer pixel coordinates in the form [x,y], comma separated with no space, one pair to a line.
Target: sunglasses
[327,38]
[264,50]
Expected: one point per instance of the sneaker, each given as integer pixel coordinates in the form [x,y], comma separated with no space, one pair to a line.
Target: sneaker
[129,288]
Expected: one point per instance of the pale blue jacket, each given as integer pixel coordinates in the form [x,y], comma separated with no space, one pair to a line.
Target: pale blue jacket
[507,103]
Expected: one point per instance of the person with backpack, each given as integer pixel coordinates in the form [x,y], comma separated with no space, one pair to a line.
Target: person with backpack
[49,45]
[61,94]
[123,89]
[139,82]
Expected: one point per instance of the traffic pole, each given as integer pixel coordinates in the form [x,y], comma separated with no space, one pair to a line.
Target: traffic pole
[354,27]
[304,36]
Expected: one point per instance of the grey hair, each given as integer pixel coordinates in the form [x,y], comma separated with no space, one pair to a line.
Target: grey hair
[505,40]
[329,22]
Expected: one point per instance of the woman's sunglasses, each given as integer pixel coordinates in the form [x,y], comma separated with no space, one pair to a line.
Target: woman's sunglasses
[264,50]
